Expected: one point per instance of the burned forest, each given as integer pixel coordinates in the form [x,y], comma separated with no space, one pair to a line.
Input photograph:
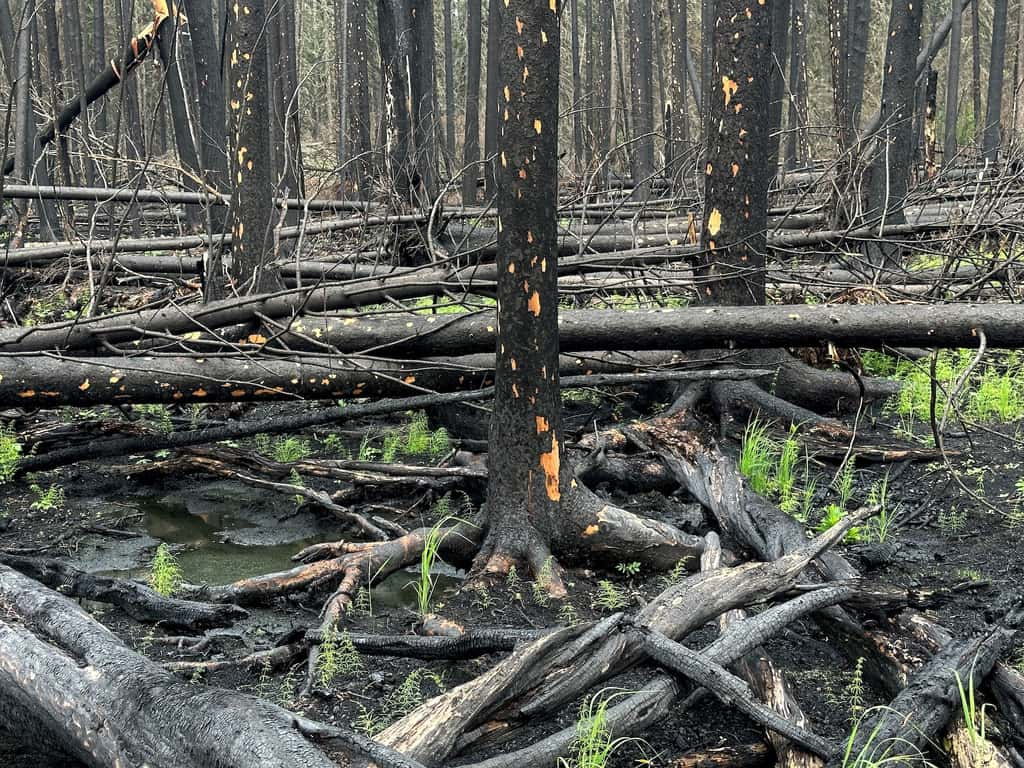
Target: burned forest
[512,384]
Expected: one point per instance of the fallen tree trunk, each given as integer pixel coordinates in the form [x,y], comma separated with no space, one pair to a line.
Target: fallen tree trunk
[44,381]
[915,717]
[166,197]
[68,682]
[678,329]
[293,422]
[950,325]
[137,600]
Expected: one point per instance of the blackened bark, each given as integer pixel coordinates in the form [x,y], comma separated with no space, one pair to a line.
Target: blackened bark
[67,682]
[204,32]
[179,78]
[976,72]
[858,27]
[449,86]
[930,111]
[949,144]
[525,483]
[24,127]
[994,102]
[707,19]
[286,147]
[492,96]
[641,98]
[394,36]
[796,141]
[356,128]
[601,85]
[423,94]
[737,177]
[838,47]
[676,109]
[252,199]
[781,22]
[99,56]
[891,165]
[577,86]
[471,144]
[341,75]
[75,56]
[7,35]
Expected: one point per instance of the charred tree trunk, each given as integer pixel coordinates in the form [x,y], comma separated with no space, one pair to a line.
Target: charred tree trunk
[395,43]
[526,479]
[577,87]
[355,139]
[601,87]
[796,137]
[950,125]
[641,98]
[858,28]
[449,87]
[285,144]
[74,52]
[781,14]
[675,110]
[252,198]
[179,77]
[99,56]
[976,73]
[213,155]
[994,102]
[492,96]
[838,20]
[24,126]
[471,145]
[736,173]
[891,166]
[931,108]
[423,96]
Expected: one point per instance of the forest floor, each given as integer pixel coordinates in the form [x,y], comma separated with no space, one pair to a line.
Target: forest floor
[942,538]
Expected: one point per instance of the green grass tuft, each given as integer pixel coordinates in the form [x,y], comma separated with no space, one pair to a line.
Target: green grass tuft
[164,572]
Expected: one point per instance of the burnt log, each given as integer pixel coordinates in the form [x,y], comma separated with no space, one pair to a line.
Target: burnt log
[339,414]
[718,327]
[137,600]
[67,681]
[915,717]
[950,325]
[45,381]
[731,690]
